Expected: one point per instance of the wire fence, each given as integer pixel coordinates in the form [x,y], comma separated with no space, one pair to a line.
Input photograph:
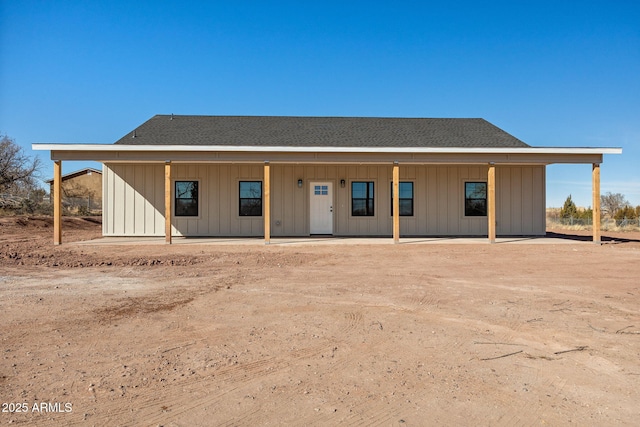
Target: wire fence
[85,204]
[18,205]
[605,223]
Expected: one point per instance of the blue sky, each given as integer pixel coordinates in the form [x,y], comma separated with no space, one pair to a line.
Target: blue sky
[561,73]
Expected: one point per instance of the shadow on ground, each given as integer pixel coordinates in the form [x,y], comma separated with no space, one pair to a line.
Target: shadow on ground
[589,238]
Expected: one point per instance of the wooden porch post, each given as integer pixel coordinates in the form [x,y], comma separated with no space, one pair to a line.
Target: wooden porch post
[491,202]
[57,202]
[267,204]
[396,202]
[595,178]
[167,202]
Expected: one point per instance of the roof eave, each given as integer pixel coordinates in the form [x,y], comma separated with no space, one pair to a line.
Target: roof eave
[307,149]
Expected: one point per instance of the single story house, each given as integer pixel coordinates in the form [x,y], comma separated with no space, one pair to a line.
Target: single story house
[180,175]
[82,187]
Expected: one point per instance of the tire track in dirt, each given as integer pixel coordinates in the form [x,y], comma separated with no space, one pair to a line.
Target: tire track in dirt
[228,379]
[242,376]
[367,412]
[242,373]
[354,321]
[247,375]
[312,351]
[238,377]
[530,411]
[426,300]
[252,418]
[351,333]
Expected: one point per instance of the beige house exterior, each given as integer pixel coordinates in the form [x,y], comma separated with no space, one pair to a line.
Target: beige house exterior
[134,199]
[301,176]
[84,187]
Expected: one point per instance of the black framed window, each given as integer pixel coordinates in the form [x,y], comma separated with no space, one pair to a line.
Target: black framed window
[406,198]
[475,199]
[250,198]
[362,198]
[186,198]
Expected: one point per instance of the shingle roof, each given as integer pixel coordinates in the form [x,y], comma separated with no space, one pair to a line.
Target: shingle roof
[319,131]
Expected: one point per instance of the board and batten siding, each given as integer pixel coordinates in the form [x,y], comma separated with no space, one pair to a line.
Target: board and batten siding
[134,200]
[521,201]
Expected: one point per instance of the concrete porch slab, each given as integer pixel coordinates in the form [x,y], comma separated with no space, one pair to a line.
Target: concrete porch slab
[312,241]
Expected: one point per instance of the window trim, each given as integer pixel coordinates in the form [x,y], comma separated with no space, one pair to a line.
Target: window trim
[240,215]
[175,198]
[372,198]
[413,198]
[464,194]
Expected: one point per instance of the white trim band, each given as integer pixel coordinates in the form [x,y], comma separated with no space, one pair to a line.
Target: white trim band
[277,149]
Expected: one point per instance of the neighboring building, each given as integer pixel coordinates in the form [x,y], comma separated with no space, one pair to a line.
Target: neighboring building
[81,188]
[300,176]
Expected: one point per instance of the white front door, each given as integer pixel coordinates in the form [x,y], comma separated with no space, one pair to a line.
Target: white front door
[321,208]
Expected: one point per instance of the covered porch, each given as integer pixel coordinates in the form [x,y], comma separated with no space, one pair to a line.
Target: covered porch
[394,160]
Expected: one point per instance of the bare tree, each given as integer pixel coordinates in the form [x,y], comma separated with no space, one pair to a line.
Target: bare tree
[17,170]
[612,203]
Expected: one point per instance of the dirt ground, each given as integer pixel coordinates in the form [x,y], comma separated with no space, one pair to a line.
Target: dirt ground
[358,335]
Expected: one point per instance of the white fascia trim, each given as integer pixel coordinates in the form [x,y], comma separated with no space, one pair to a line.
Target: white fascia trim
[272,149]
